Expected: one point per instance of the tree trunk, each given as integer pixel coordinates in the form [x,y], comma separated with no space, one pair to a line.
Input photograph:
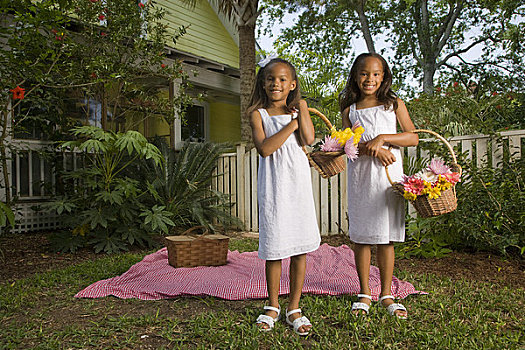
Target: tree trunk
[247,68]
[428,78]
[365,28]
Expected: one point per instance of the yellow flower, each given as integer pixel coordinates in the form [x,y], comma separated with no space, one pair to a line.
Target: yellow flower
[434,193]
[410,196]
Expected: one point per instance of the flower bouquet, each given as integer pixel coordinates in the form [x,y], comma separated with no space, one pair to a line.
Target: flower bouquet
[329,160]
[431,190]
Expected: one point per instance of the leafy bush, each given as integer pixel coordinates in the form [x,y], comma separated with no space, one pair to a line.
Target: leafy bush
[490,215]
[106,209]
[458,111]
[182,184]
[422,240]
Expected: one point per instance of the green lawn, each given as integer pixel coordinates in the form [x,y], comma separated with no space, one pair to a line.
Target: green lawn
[40,312]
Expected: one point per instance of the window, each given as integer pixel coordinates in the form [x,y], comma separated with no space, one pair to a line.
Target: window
[195,128]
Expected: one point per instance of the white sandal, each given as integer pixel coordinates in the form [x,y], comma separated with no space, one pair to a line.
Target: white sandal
[361,306]
[269,320]
[298,322]
[392,308]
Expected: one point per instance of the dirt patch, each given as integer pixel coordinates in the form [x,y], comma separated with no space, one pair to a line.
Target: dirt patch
[23,255]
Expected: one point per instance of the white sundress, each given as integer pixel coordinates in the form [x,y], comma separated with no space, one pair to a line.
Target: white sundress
[287,218]
[376,213]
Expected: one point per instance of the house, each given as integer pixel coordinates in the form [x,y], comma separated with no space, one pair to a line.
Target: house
[209,51]
[210,56]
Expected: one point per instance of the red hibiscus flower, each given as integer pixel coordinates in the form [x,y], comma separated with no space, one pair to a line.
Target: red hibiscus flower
[101,17]
[18,93]
[163,65]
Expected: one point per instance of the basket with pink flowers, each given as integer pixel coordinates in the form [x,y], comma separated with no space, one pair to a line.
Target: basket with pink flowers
[431,190]
[329,160]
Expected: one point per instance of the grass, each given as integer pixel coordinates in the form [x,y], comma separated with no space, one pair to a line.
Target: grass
[40,313]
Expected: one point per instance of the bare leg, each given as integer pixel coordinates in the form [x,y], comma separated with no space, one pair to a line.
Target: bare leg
[297,273]
[362,263]
[273,278]
[385,262]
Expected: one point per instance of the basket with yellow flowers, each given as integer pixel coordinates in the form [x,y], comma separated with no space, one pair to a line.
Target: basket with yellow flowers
[330,160]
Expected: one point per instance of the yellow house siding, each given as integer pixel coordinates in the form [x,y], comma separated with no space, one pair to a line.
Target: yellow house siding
[224,122]
[205,37]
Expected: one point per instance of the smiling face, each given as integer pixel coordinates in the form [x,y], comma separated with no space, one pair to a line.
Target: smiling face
[370,76]
[278,82]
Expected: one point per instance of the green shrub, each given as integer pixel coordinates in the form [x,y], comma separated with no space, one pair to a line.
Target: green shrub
[455,111]
[107,210]
[182,184]
[491,210]
[490,215]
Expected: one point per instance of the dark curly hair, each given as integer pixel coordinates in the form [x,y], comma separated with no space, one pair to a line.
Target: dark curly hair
[351,92]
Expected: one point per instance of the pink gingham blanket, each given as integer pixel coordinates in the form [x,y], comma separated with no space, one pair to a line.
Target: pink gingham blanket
[330,270]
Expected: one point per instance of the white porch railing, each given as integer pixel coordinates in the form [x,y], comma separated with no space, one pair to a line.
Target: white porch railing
[33,180]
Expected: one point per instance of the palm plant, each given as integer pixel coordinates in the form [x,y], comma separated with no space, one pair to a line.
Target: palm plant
[182,184]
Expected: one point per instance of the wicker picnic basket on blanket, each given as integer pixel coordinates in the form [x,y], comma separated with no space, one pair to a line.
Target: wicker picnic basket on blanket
[327,164]
[447,201]
[193,250]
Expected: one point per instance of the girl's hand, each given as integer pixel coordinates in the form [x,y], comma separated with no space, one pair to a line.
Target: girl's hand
[295,123]
[375,145]
[386,157]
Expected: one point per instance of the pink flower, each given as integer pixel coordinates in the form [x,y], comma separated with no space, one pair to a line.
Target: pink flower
[453,178]
[351,150]
[330,144]
[438,167]
[414,185]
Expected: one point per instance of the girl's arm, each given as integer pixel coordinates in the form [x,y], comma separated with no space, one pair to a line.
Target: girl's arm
[267,145]
[403,139]
[306,127]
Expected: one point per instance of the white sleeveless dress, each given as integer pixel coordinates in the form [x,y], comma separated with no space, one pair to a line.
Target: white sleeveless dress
[287,218]
[376,214]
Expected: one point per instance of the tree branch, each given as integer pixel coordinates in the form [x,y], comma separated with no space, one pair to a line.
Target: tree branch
[461,51]
[448,25]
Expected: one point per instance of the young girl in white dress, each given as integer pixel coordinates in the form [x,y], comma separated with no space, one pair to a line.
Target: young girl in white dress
[280,124]
[376,214]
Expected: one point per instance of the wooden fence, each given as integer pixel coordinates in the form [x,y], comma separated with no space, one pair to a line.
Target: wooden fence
[236,175]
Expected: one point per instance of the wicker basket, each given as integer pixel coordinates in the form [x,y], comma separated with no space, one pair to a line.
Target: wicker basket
[327,164]
[445,203]
[197,250]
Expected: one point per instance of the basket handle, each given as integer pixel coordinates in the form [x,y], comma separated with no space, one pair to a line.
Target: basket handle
[195,228]
[441,138]
[322,116]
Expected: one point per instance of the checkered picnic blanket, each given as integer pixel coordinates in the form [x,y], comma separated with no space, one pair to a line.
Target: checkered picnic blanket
[330,270]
